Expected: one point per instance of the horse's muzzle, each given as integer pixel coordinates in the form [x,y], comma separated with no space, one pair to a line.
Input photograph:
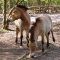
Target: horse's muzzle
[10,18]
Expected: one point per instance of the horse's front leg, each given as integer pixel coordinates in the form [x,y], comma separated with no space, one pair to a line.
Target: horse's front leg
[27,40]
[27,37]
[17,31]
[21,37]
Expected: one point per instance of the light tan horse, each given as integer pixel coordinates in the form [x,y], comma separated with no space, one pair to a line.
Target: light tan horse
[20,12]
[42,26]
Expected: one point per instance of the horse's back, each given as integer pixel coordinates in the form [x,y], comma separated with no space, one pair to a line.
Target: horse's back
[45,23]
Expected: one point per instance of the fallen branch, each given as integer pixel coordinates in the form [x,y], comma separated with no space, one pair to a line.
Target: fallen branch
[23,56]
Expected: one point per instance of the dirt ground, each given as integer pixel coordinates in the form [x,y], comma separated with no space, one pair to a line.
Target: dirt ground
[10,51]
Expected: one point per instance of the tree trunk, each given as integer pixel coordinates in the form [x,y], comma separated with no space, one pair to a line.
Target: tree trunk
[4,14]
[17,2]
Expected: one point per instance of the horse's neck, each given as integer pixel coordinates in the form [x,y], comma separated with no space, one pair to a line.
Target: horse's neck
[25,17]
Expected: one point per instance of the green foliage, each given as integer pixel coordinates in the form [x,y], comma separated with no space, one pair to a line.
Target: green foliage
[11,3]
[1,6]
[3,31]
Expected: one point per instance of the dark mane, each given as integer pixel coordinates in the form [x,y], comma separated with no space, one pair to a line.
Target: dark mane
[34,24]
[37,20]
[23,7]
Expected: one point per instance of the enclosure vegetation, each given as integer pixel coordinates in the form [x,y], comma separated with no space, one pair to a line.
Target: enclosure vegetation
[37,6]
[11,3]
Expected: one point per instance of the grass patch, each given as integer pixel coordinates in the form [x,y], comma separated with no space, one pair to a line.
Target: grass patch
[3,30]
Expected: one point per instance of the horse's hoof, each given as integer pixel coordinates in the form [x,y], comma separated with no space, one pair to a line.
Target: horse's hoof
[48,46]
[21,47]
[29,56]
[16,43]
[42,50]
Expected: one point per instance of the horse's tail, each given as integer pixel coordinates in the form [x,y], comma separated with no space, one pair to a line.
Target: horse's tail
[52,30]
[52,35]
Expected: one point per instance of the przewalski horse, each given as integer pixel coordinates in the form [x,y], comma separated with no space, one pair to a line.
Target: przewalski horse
[42,26]
[20,12]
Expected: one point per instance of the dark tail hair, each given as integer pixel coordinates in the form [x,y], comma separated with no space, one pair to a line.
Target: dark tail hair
[53,36]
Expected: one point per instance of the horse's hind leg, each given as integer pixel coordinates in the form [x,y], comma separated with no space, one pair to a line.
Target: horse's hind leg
[17,31]
[47,36]
[42,42]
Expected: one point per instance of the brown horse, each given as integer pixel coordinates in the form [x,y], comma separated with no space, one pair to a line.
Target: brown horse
[42,26]
[20,12]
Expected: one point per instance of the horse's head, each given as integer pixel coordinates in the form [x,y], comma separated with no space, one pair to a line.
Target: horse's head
[32,44]
[16,12]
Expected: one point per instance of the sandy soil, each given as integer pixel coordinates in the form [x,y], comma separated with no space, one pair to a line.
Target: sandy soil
[10,51]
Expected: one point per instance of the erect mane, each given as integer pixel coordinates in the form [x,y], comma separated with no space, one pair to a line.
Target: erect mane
[22,7]
[34,24]
[33,28]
